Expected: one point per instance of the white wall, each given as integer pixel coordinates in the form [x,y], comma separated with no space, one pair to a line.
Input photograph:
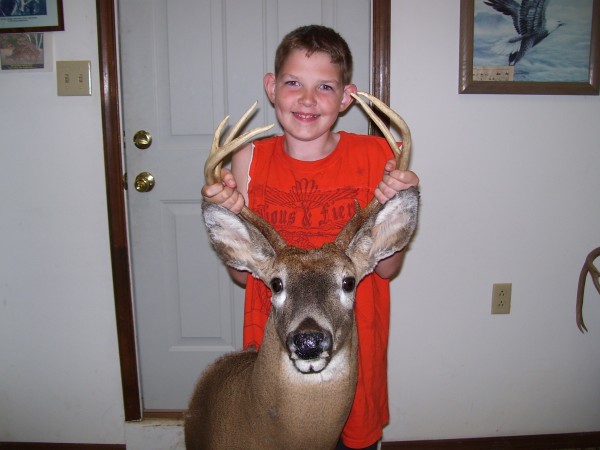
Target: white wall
[505,199]
[509,189]
[59,371]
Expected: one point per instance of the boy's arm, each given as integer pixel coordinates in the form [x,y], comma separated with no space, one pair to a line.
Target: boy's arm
[240,164]
[390,267]
[240,278]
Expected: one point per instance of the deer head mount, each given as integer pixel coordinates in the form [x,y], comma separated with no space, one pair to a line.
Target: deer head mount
[321,282]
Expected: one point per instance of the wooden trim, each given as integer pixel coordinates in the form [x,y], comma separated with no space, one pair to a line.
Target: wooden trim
[380,75]
[57,446]
[169,414]
[534,442]
[111,126]
[381,26]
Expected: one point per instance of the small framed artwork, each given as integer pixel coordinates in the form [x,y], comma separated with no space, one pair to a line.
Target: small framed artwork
[27,16]
[530,47]
[26,52]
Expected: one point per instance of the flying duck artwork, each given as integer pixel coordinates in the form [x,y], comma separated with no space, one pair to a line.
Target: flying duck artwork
[529,20]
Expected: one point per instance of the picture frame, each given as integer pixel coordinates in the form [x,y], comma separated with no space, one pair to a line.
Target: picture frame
[544,69]
[26,52]
[20,16]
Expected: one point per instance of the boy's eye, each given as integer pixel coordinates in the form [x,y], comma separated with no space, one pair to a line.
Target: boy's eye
[326,87]
[292,83]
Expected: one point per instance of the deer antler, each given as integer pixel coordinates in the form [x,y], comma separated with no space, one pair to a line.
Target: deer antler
[218,152]
[402,159]
[212,167]
[402,156]
[588,266]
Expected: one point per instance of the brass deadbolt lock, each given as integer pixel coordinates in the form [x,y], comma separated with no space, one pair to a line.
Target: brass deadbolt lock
[142,139]
[144,182]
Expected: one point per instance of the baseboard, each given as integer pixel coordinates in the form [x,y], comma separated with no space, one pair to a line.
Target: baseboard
[57,446]
[535,442]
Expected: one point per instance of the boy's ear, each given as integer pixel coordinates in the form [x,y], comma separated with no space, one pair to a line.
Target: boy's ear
[269,82]
[347,98]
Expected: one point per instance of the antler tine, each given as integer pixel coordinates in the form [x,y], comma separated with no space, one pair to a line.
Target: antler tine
[212,167]
[240,123]
[402,156]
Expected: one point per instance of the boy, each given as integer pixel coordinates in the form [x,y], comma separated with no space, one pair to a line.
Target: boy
[304,183]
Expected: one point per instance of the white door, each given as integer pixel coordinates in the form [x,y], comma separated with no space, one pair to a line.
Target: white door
[185,65]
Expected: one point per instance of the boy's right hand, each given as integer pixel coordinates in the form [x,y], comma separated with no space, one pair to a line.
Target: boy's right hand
[224,193]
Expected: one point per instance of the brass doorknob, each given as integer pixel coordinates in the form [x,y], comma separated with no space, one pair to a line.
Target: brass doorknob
[144,182]
[142,139]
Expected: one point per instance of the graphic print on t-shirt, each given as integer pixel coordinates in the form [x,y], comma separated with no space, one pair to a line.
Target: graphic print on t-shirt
[309,216]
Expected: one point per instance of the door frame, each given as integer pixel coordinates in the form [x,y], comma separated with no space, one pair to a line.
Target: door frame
[110,99]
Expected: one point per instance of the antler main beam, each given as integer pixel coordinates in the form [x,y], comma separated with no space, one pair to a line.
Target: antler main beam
[402,156]
[402,159]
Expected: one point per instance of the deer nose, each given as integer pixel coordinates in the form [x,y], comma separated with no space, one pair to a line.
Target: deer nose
[309,341]
[308,345]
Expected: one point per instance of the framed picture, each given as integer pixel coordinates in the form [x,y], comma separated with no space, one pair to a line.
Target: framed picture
[529,47]
[26,52]
[26,16]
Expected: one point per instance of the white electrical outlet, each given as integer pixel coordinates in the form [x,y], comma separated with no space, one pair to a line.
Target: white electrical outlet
[501,293]
[74,77]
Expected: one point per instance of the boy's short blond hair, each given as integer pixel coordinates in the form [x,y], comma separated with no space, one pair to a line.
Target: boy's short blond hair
[316,38]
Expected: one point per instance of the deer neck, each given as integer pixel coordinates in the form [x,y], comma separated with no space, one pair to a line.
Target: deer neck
[323,400]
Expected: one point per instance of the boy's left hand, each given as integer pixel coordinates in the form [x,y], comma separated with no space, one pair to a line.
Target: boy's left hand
[394,181]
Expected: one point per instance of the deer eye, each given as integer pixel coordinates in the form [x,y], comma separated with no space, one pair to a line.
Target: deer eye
[348,284]
[276,285]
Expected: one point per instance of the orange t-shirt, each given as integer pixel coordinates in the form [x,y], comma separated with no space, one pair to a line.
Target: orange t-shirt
[308,203]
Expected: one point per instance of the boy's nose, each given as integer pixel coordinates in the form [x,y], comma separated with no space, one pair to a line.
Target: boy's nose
[307,98]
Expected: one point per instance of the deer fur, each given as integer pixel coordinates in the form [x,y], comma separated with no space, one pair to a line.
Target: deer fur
[274,398]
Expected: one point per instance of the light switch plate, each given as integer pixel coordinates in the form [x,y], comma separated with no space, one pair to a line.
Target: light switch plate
[74,77]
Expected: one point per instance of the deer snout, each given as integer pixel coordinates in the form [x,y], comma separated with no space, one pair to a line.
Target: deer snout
[309,342]
[309,345]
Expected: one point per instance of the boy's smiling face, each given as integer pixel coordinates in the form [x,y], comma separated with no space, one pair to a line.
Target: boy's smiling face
[308,95]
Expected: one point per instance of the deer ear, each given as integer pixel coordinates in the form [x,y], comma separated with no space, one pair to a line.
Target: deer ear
[237,242]
[385,232]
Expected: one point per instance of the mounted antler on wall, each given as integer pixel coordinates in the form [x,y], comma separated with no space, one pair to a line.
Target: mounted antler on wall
[588,266]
